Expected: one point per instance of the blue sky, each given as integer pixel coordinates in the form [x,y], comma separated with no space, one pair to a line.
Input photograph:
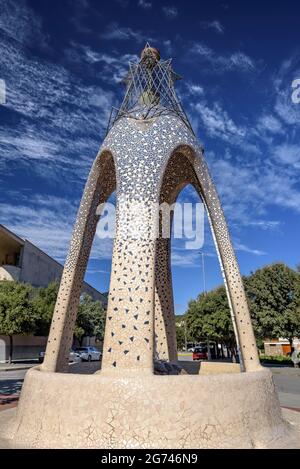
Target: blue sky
[62,63]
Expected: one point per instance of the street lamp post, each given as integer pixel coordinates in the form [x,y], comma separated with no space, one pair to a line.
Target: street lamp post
[204,291]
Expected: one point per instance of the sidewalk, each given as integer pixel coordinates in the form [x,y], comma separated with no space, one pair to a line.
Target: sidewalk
[18,365]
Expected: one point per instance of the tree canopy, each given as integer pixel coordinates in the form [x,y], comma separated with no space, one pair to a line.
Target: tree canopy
[90,320]
[44,303]
[273,294]
[17,312]
[27,310]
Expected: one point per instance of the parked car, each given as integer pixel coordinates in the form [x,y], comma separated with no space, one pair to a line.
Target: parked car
[88,353]
[200,353]
[73,357]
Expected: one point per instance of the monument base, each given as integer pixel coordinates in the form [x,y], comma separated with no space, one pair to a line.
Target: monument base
[238,410]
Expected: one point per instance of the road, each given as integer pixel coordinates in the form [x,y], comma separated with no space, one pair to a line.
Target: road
[287,382]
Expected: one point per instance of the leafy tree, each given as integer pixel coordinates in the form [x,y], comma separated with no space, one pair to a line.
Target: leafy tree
[208,318]
[274,300]
[182,333]
[272,293]
[44,303]
[90,319]
[17,313]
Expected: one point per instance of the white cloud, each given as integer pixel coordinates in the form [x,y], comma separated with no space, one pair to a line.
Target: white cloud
[145,4]
[214,25]
[47,221]
[20,24]
[194,89]
[249,189]
[288,154]
[168,46]
[218,124]
[221,63]
[122,33]
[242,247]
[113,67]
[288,111]
[270,123]
[170,12]
[185,258]
[58,115]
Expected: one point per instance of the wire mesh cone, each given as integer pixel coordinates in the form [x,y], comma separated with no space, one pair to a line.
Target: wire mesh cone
[150,90]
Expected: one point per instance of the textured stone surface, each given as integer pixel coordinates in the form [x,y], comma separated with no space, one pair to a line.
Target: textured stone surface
[118,411]
[148,162]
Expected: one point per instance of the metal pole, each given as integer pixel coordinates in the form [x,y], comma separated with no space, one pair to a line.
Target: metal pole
[203,273]
[204,291]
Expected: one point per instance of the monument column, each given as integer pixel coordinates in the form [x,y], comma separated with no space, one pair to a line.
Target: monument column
[128,342]
[99,186]
[164,324]
[233,281]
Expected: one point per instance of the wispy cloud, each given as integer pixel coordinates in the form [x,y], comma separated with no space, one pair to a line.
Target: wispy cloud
[288,154]
[185,258]
[122,33]
[113,67]
[288,111]
[170,12]
[29,25]
[194,89]
[215,25]
[222,63]
[242,247]
[57,114]
[145,4]
[48,221]
[218,124]
[270,124]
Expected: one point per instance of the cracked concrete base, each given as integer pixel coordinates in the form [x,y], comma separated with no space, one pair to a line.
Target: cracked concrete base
[119,410]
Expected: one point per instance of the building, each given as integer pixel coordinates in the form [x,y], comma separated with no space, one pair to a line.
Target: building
[22,261]
[278,347]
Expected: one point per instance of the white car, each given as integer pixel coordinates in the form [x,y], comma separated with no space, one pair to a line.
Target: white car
[88,353]
[73,357]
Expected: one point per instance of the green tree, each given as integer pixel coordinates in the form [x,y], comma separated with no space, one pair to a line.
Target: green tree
[208,319]
[90,319]
[17,313]
[44,303]
[182,333]
[273,294]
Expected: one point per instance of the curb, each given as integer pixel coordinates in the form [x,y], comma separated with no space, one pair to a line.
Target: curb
[17,368]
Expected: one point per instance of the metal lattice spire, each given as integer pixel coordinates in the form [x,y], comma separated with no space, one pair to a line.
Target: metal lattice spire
[150,90]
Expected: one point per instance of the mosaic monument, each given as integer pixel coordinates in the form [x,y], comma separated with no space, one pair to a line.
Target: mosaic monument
[149,154]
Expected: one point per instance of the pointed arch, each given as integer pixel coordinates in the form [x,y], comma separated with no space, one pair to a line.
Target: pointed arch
[187,166]
[100,185]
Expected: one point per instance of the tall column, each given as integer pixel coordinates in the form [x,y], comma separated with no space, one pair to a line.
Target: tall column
[128,342]
[237,297]
[97,190]
[164,324]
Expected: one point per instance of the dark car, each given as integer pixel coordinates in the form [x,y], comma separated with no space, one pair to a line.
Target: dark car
[200,353]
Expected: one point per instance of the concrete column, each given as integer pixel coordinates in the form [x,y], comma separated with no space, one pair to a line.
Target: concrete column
[164,324]
[97,190]
[128,341]
[233,280]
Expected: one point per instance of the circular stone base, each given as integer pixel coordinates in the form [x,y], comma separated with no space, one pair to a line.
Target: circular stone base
[147,411]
